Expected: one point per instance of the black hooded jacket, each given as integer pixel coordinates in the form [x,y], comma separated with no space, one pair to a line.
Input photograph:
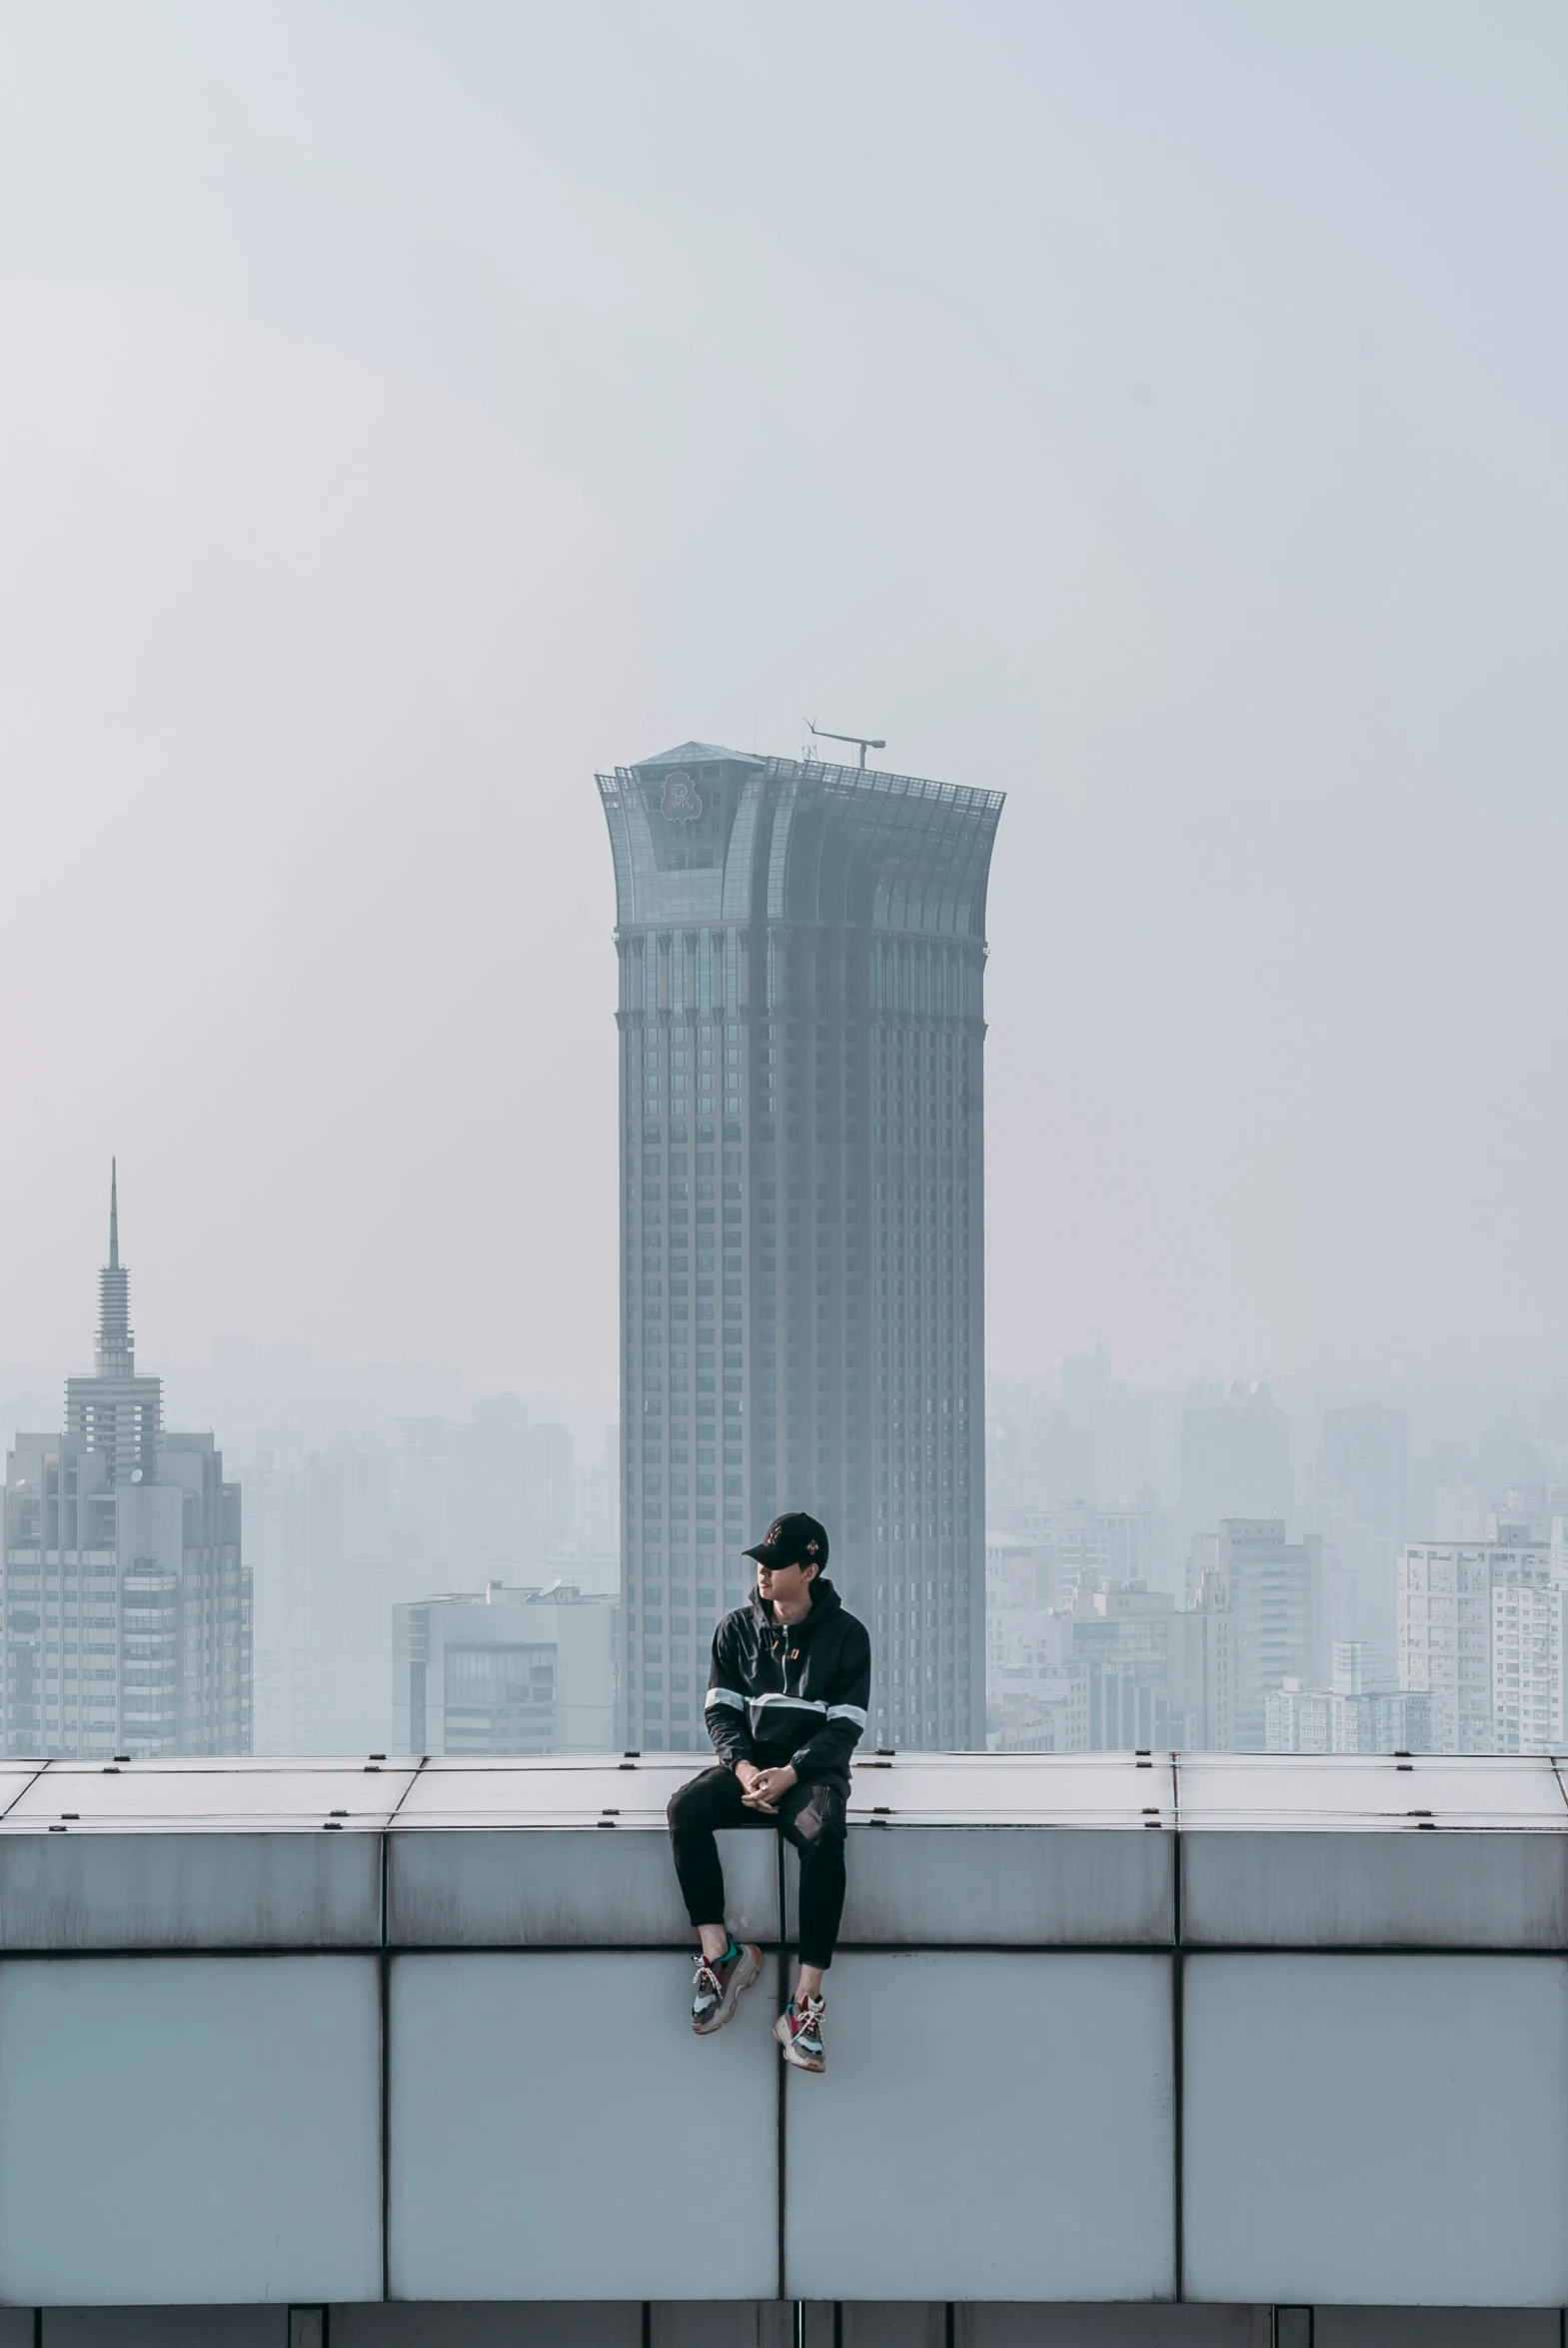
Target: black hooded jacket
[791,1692]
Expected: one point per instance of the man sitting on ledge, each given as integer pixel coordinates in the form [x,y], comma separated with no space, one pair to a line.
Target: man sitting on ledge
[788,1689]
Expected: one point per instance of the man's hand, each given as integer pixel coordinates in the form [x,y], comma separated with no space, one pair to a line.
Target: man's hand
[746,1771]
[767,1787]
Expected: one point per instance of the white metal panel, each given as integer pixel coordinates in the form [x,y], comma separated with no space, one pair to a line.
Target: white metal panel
[1364,1794]
[1003,1884]
[553,2124]
[585,1888]
[15,1779]
[1086,1789]
[570,1790]
[189,1889]
[989,2127]
[1376,2130]
[1212,1791]
[165,1796]
[1079,1790]
[235,2099]
[1242,1890]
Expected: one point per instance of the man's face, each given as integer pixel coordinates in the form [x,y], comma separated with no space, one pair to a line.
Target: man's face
[788,1582]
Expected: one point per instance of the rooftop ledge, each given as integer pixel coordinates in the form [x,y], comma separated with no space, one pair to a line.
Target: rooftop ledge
[1107,2028]
[979,1851]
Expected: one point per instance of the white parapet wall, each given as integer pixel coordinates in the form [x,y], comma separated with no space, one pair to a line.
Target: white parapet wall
[1123,2049]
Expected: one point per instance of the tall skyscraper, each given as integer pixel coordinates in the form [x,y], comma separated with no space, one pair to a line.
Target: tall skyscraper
[1235,1456]
[1366,1464]
[801,951]
[125,1612]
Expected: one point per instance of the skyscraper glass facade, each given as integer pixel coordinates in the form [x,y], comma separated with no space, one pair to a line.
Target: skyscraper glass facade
[801,951]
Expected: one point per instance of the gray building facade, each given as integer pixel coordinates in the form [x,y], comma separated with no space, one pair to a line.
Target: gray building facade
[125,1609]
[504,1670]
[802,957]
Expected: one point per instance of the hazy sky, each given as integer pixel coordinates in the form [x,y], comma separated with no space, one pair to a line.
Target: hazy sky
[1156,410]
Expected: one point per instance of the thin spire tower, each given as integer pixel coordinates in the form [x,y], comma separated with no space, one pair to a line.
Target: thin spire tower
[115,1350]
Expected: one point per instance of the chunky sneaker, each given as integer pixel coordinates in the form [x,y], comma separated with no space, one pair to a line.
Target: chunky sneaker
[799,2031]
[717,1987]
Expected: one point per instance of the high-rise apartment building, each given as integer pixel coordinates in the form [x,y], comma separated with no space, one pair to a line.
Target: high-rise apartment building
[802,953]
[1467,1634]
[1529,1668]
[125,1612]
[1352,1715]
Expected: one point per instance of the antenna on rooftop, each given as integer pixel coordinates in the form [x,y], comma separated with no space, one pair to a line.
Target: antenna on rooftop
[865,741]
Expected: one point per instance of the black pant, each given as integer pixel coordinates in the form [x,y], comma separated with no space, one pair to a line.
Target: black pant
[809,1816]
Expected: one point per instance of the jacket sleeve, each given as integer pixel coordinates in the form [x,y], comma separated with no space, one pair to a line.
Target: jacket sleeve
[726,1710]
[825,1753]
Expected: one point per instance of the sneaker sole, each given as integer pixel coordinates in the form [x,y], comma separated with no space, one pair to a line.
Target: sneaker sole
[798,2062]
[742,1978]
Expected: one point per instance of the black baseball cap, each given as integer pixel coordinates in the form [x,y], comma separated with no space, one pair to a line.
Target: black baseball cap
[796,1540]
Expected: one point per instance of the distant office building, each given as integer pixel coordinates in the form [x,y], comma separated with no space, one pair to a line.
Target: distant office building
[428,1486]
[485,1492]
[1366,1465]
[490,1517]
[125,1610]
[318,1539]
[1121,1429]
[1024,1692]
[802,955]
[1086,1383]
[1445,1624]
[1120,1666]
[1274,1589]
[598,1498]
[1235,1456]
[1207,1650]
[550,1484]
[1089,1546]
[1041,1711]
[505,1672]
[1351,1715]
[1158,1677]
[1122,1639]
[1041,1463]
[1020,1572]
[1458,1513]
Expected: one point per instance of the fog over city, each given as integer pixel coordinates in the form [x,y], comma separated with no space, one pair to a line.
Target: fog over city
[782,1168]
[1153,414]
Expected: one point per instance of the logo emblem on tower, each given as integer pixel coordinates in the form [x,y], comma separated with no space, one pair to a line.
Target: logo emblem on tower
[680,802]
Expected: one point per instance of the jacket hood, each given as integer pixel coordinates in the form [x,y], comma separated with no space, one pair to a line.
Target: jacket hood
[825,1600]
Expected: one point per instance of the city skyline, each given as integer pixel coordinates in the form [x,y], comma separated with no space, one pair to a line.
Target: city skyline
[1205,1569]
[885,1392]
[1074,428]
